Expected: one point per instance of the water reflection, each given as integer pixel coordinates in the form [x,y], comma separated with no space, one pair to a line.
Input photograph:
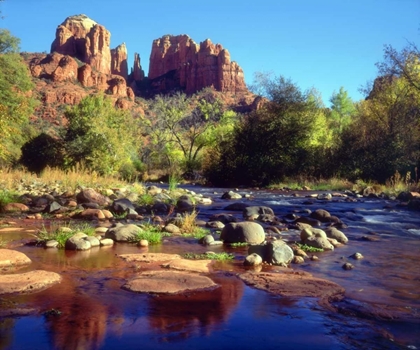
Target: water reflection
[182,316]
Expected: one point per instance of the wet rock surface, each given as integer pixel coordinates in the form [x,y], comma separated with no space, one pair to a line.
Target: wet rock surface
[28,282]
[11,258]
[168,282]
[295,284]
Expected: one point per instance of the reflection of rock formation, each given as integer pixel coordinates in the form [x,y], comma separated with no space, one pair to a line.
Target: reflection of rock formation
[83,320]
[180,316]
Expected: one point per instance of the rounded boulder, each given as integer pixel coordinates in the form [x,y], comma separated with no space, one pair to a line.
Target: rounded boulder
[246,232]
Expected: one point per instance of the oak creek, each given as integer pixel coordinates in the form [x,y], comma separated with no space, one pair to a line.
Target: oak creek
[380,308]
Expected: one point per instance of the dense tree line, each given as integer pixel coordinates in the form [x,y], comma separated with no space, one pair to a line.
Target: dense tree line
[292,134]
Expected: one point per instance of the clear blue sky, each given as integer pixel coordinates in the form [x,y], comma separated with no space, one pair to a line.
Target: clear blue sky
[317,43]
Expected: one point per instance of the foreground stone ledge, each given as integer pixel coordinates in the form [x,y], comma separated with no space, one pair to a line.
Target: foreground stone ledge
[295,284]
[28,282]
[10,258]
[149,257]
[168,282]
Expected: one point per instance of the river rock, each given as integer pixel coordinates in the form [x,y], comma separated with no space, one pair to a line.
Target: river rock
[184,204]
[276,252]
[295,284]
[253,260]
[357,256]
[249,232]
[231,195]
[168,282]
[28,282]
[201,266]
[215,224]
[89,195]
[238,206]
[255,212]
[154,190]
[348,266]
[207,240]
[321,215]
[51,244]
[10,258]
[149,257]
[298,260]
[15,207]
[123,233]
[94,242]
[123,206]
[332,232]
[106,242]
[308,232]
[319,242]
[78,242]
[223,218]
[308,220]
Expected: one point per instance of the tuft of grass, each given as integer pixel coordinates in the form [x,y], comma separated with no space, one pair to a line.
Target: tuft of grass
[172,183]
[212,256]
[198,233]
[331,184]
[63,232]
[239,244]
[60,236]
[152,234]
[146,199]
[6,197]
[307,248]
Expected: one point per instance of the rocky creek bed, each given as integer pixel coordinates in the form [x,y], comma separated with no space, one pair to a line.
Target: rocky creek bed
[361,291]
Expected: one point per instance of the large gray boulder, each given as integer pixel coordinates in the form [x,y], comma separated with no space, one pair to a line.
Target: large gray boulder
[123,233]
[123,206]
[254,212]
[249,232]
[276,252]
[332,232]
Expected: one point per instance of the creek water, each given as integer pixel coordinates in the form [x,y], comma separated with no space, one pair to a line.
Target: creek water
[381,308]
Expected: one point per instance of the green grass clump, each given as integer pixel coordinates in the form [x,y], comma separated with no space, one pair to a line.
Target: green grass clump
[6,197]
[151,233]
[212,256]
[63,232]
[308,248]
[239,244]
[58,235]
[198,233]
[172,183]
[146,199]
[332,184]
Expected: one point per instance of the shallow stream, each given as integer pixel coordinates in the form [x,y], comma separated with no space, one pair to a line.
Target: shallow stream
[381,309]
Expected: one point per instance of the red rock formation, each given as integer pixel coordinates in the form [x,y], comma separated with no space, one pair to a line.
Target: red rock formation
[138,73]
[55,67]
[98,53]
[83,38]
[178,62]
[119,64]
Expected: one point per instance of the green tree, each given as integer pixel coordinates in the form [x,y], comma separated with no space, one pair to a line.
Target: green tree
[342,110]
[385,134]
[181,128]
[16,103]
[279,140]
[103,138]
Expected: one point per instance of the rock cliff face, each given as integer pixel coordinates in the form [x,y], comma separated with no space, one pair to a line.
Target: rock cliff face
[119,63]
[138,73]
[178,62]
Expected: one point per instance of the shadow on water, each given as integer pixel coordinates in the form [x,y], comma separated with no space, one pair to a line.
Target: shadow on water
[380,310]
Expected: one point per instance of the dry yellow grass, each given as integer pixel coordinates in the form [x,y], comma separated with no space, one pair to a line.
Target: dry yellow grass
[13,179]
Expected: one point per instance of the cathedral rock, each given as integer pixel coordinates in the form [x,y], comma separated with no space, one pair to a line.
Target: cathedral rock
[177,62]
